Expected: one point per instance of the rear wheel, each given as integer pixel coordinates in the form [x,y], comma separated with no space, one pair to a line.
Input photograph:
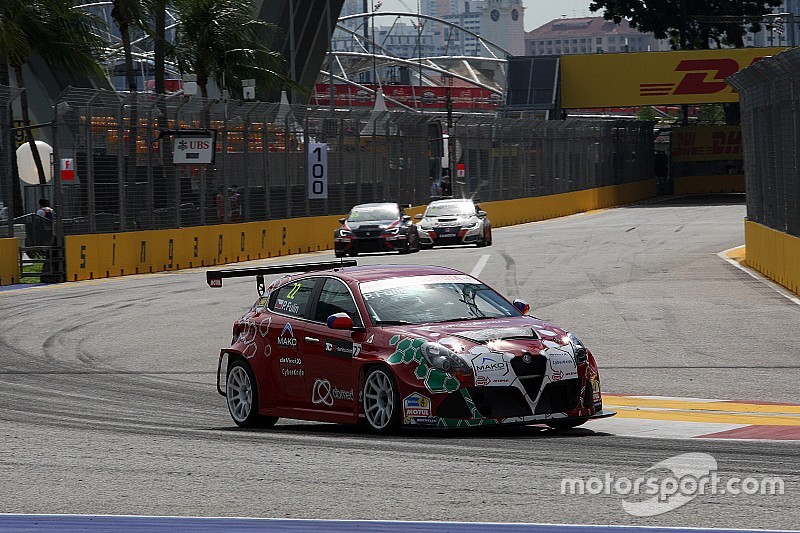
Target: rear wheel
[241,393]
[561,425]
[381,401]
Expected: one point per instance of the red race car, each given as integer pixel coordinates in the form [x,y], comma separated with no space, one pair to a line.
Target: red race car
[399,346]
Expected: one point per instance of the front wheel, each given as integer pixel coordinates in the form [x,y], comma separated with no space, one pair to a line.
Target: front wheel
[242,394]
[381,401]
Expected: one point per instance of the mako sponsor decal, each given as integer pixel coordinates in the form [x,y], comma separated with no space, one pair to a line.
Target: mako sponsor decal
[286,338]
[490,368]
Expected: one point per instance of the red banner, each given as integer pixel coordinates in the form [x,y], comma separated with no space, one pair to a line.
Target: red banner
[461,98]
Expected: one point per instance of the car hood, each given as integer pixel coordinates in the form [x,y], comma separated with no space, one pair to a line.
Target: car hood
[514,335]
[448,220]
[382,224]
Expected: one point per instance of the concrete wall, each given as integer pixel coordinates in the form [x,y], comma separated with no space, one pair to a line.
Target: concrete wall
[119,254]
[773,253]
[709,184]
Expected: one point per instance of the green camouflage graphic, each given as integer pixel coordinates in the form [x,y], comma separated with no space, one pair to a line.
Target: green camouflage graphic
[479,419]
[407,351]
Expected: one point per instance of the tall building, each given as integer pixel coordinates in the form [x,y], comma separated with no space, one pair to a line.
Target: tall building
[502,23]
[589,35]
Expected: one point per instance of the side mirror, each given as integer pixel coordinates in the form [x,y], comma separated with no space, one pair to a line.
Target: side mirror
[340,321]
[406,218]
[418,216]
[341,220]
[482,214]
[522,305]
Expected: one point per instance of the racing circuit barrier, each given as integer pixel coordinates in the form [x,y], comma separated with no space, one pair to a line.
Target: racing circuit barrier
[771,131]
[119,176]
[118,254]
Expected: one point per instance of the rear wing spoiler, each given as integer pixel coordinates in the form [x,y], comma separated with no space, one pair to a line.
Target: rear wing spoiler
[214,277]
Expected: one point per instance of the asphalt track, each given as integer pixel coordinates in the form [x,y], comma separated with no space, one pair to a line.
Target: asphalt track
[108,406]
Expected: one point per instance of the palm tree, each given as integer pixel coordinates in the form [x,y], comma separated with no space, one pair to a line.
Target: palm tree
[220,40]
[127,13]
[63,37]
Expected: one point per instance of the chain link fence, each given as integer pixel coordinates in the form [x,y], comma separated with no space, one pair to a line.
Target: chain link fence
[125,178]
[7,97]
[769,93]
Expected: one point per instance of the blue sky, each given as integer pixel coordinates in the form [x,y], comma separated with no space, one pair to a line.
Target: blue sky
[537,12]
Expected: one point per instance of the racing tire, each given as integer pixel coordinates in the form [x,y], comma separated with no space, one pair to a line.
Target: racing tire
[380,400]
[562,425]
[339,254]
[425,246]
[352,254]
[418,246]
[480,243]
[241,395]
[489,240]
[406,249]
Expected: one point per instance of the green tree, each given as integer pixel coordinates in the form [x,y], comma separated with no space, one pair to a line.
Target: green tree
[690,24]
[127,14]
[63,37]
[220,41]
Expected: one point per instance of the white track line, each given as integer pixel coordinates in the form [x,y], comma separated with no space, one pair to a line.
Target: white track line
[780,289]
[476,271]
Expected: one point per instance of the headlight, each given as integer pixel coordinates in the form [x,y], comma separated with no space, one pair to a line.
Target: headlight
[443,358]
[578,348]
[344,233]
[471,225]
[392,231]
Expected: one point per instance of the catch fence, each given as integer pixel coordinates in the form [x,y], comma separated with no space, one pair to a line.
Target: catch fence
[770,110]
[120,147]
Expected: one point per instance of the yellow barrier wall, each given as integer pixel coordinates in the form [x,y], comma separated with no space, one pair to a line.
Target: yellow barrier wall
[9,261]
[120,254]
[521,210]
[773,253]
[709,184]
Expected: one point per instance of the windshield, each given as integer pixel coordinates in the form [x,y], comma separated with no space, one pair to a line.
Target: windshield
[450,208]
[432,299]
[362,214]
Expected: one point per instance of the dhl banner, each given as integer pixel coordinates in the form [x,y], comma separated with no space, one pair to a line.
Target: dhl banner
[654,78]
[707,143]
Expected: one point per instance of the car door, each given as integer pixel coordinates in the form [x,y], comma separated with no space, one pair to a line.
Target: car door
[290,306]
[328,354]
